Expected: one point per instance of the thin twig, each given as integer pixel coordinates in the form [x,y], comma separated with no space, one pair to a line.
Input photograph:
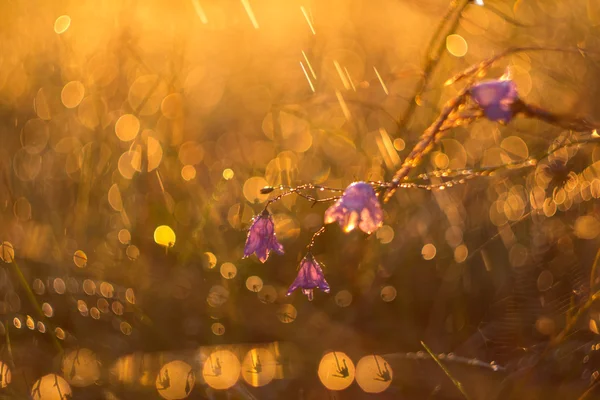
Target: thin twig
[431,136]
[455,381]
[314,238]
[432,60]
[589,391]
[475,69]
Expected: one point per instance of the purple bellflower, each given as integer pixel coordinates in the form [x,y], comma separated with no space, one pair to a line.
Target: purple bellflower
[496,98]
[261,237]
[310,276]
[358,206]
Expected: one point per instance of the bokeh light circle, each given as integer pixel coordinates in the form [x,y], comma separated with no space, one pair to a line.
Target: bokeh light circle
[373,374]
[51,387]
[221,369]
[336,370]
[81,367]
[259,367]
[164,236]
[175,380]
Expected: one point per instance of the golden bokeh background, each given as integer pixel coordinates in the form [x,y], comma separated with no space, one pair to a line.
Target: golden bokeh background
[136,137]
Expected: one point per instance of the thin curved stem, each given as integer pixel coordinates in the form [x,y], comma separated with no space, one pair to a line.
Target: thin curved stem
[431,60]
[314,238]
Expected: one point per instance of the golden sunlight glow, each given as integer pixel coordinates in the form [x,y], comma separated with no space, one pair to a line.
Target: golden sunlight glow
[308,19]
[200,11]
[312,87]
[246,4]
[383,86]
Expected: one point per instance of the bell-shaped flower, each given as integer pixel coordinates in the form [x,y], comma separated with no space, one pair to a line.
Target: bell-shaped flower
[496,98]
[310,276]
[358,206]
[261,237]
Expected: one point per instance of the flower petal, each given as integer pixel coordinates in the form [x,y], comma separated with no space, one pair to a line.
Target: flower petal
[310,276]
[276,246]
[333,213]
[495,98]
[262,253]
[358,207]
[308,293]
[261,238]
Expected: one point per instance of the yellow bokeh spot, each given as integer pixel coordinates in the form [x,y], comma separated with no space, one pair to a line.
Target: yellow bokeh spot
[428,251]
[228,270]
[127,127]
[221,369]
[172,106]
[51,387]
[72,94]
[373,374]
[81,367]
[388,293]
[252,189]
[5,375]
[124,236]
[164,236]
[336,371]
[228,173]
[456,45]
[30,323]
[287,313]
[7,252]
[132,251]
[259,367]
[254,284]
[60,333]
[125,328]
[399,144]
[62,23]
[461,253]
[190,153]
[217,328]
[114,198]
[209,260]
[188,172]
[80,258]
[175,380]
